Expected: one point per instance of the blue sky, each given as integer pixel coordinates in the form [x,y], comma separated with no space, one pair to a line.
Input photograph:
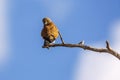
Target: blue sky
[77,20]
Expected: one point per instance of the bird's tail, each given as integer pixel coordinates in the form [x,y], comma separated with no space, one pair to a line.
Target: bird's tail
[46,43]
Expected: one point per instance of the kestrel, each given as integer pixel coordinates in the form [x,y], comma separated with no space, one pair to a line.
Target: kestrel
[49,32]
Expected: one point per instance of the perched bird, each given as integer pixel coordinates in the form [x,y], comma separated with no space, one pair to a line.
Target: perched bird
[49,32]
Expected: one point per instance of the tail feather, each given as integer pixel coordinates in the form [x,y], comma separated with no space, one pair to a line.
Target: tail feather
[46,43]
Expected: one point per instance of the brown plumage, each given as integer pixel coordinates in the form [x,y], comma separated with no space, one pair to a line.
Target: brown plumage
[49,32]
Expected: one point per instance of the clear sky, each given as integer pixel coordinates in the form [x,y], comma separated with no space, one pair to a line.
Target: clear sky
[77,20]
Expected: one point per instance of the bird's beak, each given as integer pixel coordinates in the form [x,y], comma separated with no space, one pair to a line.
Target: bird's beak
[45,22]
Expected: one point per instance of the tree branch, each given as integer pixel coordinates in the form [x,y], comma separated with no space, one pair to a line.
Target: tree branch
[108,49]
[61,37]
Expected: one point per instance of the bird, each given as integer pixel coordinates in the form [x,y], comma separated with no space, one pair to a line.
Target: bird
[49,32]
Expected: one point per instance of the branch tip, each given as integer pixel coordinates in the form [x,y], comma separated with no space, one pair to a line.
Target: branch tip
[108,45]
[108,49]
[81,42]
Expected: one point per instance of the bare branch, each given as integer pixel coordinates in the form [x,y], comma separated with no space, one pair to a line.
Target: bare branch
[61,38]
[111,51]
[108,49]
[108,45]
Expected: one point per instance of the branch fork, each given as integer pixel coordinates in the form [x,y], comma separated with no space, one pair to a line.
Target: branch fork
[108,49]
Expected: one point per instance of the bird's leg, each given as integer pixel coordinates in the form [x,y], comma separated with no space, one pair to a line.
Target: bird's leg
[61,38]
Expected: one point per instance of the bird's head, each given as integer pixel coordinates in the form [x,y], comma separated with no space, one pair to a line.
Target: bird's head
[46,20]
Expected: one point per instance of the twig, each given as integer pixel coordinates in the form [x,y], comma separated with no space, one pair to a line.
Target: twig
[61,38]
[108,49]
[111,51]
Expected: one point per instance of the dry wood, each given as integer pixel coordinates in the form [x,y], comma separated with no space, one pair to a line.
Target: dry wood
[108,49]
